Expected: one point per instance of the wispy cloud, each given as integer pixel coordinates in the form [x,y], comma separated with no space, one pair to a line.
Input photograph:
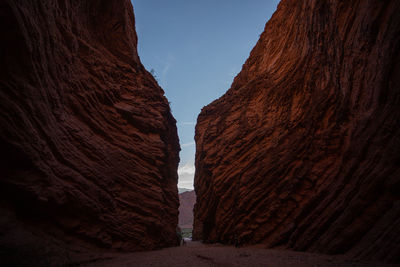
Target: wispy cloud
[186,175]
[188,168]
[188,144]
[187,123]
[165,70]
[168,63]
[233,72]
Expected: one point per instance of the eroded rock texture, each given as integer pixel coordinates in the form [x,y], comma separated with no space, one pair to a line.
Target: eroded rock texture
[302,152]
[89,147]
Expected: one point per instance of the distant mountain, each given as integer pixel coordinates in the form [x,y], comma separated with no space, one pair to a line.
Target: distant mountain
[187,200]
[182,190]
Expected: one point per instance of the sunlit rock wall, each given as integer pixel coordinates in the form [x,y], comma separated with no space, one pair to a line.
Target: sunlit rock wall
[302,152]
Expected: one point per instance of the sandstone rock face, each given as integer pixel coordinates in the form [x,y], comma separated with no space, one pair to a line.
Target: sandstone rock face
[186,205]
[302,151]
[89,147]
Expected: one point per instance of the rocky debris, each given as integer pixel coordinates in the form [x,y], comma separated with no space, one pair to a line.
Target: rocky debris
[89,147]
[302,152]
[186,200]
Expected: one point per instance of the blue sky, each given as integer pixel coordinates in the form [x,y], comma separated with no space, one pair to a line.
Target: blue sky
[196,48]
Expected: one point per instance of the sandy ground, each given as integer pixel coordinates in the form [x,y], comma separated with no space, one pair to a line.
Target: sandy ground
[198,254]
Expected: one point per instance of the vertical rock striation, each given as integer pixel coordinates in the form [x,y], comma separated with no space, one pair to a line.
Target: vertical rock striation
[302,151]
[89,148]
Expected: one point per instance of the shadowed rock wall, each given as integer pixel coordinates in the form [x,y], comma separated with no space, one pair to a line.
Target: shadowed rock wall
[88,145]
[302,152]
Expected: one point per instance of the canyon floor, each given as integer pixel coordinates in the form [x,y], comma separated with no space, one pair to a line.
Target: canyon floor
[199,254]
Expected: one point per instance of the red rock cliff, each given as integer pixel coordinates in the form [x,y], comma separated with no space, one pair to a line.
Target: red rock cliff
[302,151]
[88,142]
